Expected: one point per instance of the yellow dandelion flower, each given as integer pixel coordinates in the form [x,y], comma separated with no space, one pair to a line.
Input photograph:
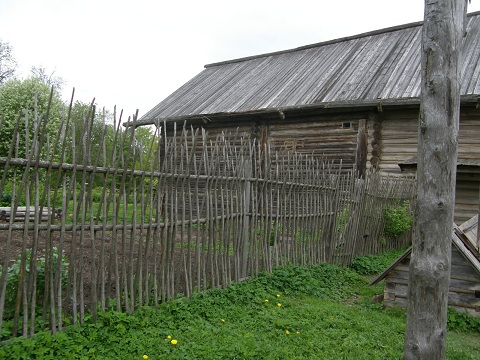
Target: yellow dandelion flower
[298,332]
[222,320]
[279,305]
[266,300]
[169,337]
[287,332]
[174,342]
[278,295]
[145,357]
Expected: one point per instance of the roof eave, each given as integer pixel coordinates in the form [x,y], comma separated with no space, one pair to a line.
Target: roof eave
[351,105]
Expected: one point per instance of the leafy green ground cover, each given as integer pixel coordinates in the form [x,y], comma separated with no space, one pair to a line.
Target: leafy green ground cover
[314,312]
[375,264]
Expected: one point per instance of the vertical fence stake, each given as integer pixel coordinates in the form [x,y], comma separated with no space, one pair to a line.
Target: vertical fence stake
[238,201]
[247,173]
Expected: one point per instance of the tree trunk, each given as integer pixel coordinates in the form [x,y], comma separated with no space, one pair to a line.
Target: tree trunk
[442,36]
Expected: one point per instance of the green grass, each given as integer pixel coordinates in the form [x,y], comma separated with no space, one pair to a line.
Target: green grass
[375,264]
[326,312]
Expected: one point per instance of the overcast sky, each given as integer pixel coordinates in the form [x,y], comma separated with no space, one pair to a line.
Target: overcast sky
[135,53]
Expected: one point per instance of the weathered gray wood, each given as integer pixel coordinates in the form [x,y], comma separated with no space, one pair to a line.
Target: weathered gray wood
[401,290]
[442,35]
[21,210]
[464,271]
[192,218]
[478,217]
[467,284]
[362,148]
[398,275]
[469,228]
[464,282]
[246,221]
[399,145]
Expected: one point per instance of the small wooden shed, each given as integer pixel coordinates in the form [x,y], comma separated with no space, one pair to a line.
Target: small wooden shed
[464,292]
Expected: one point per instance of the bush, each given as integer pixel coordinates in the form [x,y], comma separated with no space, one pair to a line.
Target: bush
[6,199]
[342,218]
[8,194]
[97,194]
[398,220]
[462,321]
[13,277]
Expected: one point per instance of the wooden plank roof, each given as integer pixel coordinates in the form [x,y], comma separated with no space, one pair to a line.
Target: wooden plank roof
[362,69]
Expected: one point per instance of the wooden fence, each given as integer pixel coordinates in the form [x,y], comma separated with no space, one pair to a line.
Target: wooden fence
[190,213]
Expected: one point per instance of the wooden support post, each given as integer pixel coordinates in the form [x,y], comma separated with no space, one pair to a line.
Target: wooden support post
[429,279]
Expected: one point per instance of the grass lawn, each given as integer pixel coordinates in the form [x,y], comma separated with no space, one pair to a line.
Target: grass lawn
[314,312]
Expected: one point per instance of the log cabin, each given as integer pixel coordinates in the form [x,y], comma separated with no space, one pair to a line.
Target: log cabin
[353,100]
[464,290]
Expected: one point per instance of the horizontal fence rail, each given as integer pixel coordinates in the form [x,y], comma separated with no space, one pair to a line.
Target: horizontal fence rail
[123,223]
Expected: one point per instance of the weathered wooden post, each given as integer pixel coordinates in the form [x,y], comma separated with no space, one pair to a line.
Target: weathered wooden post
[247,173]
[442,36]
[362,149]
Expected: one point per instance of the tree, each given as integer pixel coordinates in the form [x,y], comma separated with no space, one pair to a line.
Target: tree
[49,79]
[8,64]
[18,97]
[146,144]
[443,30]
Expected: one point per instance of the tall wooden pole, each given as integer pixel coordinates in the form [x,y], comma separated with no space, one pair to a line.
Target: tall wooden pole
[443,32]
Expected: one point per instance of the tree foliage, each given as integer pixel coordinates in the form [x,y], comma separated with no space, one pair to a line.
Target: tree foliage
[35,104]
[96,137]
[92,134]
[398,219]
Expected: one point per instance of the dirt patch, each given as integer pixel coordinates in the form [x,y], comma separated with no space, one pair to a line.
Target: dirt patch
[106,253]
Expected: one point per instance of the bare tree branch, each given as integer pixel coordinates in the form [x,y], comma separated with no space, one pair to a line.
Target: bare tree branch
[8,64]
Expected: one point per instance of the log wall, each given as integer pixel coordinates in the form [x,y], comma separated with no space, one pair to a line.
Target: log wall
[333,137]
[397,143]
[392,136]
[466,196]
[399,136]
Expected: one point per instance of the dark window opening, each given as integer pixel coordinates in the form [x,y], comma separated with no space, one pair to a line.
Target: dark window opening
[477,294]
[346,125]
